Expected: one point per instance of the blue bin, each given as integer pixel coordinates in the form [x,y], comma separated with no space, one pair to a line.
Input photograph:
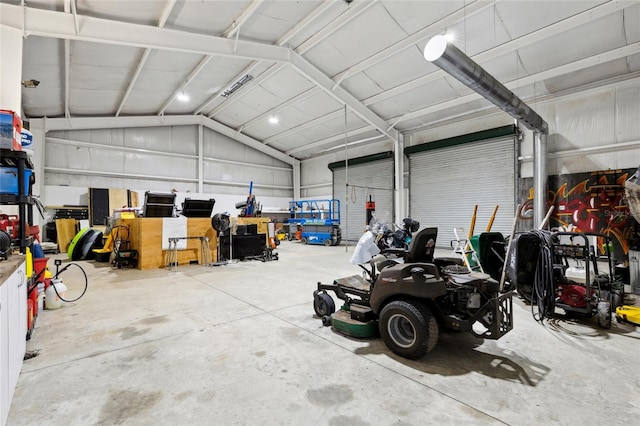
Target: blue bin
[9,180]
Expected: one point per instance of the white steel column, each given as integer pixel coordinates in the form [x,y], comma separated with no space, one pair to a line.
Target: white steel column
[200,158]
[11,69]
[398,168]
[296,179]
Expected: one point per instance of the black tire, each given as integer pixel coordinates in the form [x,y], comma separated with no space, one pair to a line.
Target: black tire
[303,240]
[604,315]
[408,329]
[327,243]
[324,305]
[326,320]
[617,299]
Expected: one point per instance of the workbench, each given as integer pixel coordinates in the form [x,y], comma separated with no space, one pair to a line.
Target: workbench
[145,236]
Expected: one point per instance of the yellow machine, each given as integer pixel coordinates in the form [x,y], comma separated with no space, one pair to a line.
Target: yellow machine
[629,314]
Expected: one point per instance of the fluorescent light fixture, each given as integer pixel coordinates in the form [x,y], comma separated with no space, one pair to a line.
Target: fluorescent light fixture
[182,97]
[273,119]
[237,85]
[449,37]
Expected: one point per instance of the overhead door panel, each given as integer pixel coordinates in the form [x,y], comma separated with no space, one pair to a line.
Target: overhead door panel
[446,184]
[373,179]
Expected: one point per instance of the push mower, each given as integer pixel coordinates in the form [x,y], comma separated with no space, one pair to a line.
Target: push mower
[408,300]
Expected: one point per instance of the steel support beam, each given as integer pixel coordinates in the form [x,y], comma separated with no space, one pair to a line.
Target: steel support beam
[49,23]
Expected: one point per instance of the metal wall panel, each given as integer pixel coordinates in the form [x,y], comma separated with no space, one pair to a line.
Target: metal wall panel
[375,178]
[160,159]
[446,184]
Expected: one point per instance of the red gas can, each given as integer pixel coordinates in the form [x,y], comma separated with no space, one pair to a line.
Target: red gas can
[10,224]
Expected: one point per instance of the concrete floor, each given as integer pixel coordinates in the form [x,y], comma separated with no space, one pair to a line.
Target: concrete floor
[239,344]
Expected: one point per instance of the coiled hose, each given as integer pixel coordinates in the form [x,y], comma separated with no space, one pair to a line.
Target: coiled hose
[543,287]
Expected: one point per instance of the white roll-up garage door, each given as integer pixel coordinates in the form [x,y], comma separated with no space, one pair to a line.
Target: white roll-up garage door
[372,178]
[446,184]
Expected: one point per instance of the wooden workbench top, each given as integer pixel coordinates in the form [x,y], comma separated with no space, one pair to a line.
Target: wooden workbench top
[8,267]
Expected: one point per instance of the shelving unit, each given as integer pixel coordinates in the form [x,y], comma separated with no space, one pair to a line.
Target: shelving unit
[20,160]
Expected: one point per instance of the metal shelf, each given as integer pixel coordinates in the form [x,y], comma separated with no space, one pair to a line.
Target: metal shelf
[21,161]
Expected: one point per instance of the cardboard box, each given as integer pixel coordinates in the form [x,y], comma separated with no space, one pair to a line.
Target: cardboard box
[10,130]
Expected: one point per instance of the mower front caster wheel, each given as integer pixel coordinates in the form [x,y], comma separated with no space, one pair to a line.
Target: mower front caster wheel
[326,320]
[408,328]
[323,305]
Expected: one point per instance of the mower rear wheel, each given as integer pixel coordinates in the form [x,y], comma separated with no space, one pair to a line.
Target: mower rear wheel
[408,328]
[604,315]
[327,243]
[324,305]
[303,240]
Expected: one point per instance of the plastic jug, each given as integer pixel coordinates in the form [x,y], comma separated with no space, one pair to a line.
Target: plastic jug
[51,299]
[29,261]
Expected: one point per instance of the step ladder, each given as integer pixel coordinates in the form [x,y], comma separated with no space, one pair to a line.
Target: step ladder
[464,249]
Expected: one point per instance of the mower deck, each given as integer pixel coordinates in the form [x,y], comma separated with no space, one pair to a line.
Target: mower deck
[342,322]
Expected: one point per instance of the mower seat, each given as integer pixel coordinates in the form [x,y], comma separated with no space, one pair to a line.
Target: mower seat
[422,246]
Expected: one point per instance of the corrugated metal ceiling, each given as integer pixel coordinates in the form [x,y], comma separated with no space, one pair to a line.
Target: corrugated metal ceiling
[366,54]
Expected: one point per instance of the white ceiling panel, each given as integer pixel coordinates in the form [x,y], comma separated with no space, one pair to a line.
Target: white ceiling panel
[634,63]
[412,16]
[632,23]
[86,101]
[361,86]
[295,83]
[370,31]
[170,68]
[427,95]
[317,105]
[276,18]
[237,114]
[290,142]
[404,66]
[523,17]
[206,17]
[320,22]
[596,37]
[479,32]
[137,11]
[587,76]
[336,126]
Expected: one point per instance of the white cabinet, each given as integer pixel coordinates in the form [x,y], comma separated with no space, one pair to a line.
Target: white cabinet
[13,333]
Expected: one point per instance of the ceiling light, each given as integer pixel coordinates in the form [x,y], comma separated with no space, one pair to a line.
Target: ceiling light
[30,83]
[449,37]
[237,85]
[182,97]
[273,119]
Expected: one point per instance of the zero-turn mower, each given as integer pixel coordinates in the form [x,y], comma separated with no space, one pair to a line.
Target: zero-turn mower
[408,300]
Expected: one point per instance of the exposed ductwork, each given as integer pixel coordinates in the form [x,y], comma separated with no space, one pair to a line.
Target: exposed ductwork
[453,61]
